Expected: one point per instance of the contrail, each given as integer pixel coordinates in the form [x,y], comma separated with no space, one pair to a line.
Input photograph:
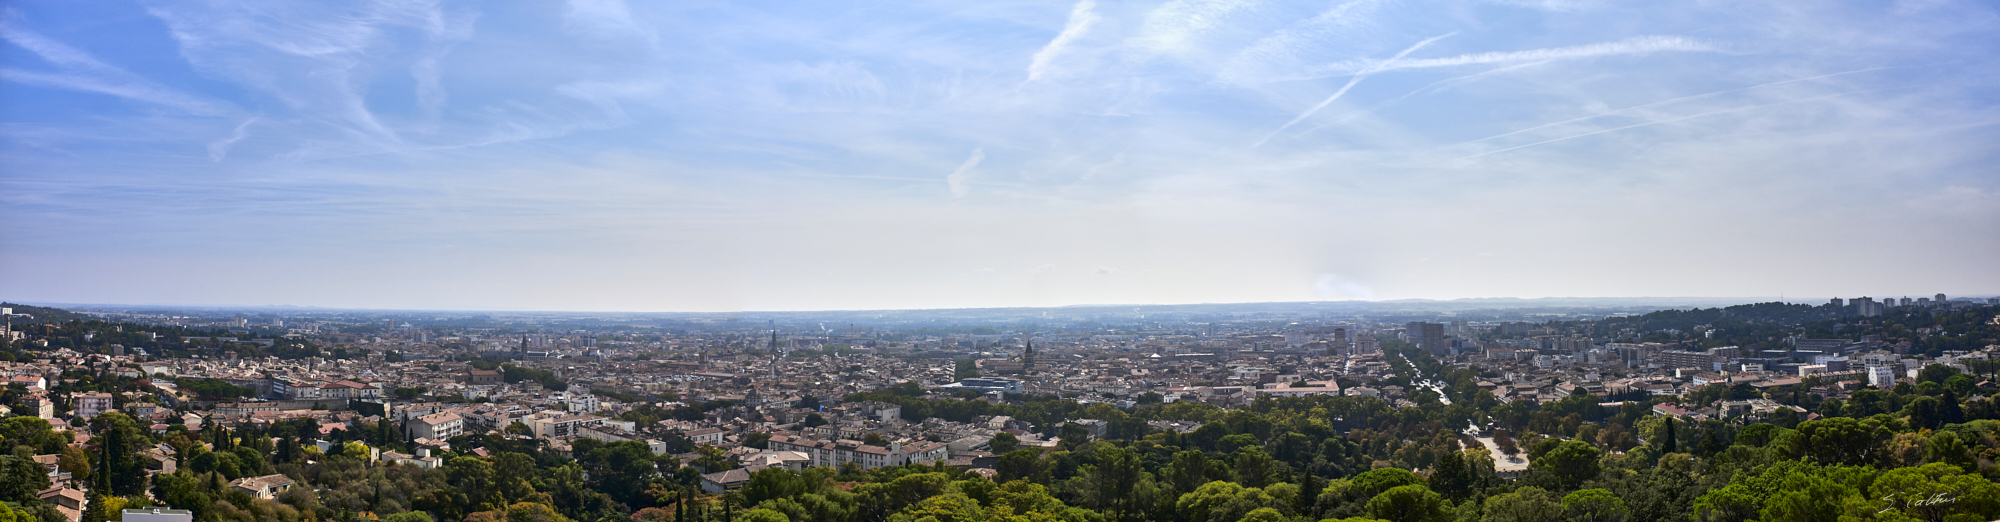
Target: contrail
[1680,99]
[1691,116]
[1358,76]
[1392,101]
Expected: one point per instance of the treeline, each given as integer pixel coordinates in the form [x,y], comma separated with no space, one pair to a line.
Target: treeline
[1765,326]
[213,389]
[516,374]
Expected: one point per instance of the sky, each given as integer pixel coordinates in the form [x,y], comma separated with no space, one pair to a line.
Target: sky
[743,155]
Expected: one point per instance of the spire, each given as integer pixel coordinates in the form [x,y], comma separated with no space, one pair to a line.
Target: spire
[1028,357]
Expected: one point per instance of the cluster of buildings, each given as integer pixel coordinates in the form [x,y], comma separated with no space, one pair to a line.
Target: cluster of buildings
[742,387]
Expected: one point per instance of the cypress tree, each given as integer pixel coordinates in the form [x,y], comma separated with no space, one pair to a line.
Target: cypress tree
[96,511]
[1669,446]
[1949,411]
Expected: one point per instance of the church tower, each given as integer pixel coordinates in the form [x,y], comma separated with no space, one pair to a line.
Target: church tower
[1028,358]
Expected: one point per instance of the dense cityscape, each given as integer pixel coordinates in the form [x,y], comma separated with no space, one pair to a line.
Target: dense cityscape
[1863,409]
[999,261]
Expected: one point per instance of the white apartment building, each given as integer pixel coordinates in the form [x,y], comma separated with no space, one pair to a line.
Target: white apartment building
[437,426]
[564,426]
[837,452]
[91,404]
[585,402]
[1882,377]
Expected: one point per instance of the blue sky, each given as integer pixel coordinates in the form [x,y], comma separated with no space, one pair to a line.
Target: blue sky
[699,156]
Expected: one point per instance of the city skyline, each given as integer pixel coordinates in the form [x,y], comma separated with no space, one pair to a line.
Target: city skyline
[597,155]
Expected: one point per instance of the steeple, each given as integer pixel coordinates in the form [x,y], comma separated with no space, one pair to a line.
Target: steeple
[1028,358]
[774,353]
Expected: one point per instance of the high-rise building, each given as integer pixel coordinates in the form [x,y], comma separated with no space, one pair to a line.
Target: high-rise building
[1907,302]
[1867,307]
[1941,301]
[1428,336]
[1883,377]
[1837,303]
[1339,341]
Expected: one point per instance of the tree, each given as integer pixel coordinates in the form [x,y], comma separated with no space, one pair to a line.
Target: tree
[1025,463]
[1112,482]
[1669,446]
[21,478]
[32,432]
[1935,492]
[1569,464]
[952,507]
[1527,504]
[473,478]
[1937,373]
[713,459]
[75,461]
[95,510]
[766,515]
[1254,468]
[1923,413]
[1506,444]
[1003,443]
[1450,476]
[1412,503]
[1073,435]
[1946,447]
[1188,470]
[117,444]
[526,512]
[8,514]
[1265,515]
[1595,505]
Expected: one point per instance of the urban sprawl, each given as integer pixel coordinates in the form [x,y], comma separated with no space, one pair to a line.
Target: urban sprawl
[1279,415]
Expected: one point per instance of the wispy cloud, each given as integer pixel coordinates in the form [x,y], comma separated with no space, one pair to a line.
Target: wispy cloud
[1080,20]
[1173,26]
[959,178]
[220,148]
[83,72]
[1662,121]
[606,19]
[641,144]
[1279,55]
[1672,101]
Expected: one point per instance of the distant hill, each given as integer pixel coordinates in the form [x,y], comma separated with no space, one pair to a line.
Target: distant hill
[42,314]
